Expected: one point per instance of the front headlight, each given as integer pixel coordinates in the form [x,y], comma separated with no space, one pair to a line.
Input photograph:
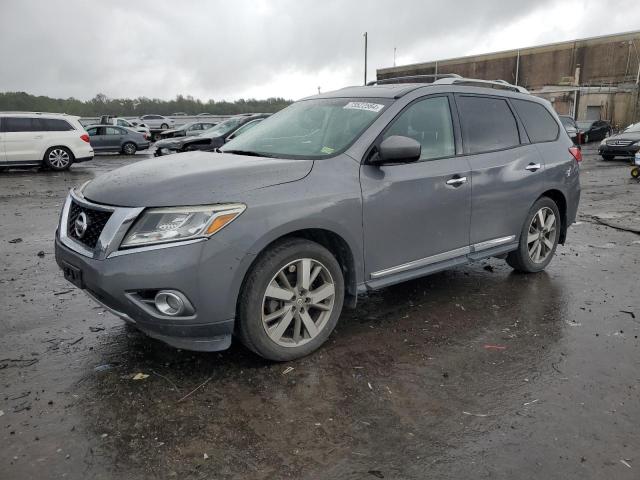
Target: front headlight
[162,225]
[603,142]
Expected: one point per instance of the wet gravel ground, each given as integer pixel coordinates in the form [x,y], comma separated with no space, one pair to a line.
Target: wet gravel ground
[476,372]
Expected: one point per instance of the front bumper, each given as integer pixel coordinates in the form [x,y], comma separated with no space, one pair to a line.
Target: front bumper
[84,159]
[208,272]
[626,151]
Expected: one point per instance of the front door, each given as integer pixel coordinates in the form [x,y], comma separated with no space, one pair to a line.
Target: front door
[416,215]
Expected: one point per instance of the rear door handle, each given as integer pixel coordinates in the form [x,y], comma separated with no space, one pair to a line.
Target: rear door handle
[532,167]
[457,181]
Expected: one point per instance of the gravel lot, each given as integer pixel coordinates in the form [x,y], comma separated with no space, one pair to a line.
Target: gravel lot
[475,372]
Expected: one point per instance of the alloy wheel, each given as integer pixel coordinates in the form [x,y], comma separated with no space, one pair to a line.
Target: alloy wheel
[129,149]
[59,158]
[298,302]
[542,235]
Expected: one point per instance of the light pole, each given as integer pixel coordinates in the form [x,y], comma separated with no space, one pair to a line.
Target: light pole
[365,58]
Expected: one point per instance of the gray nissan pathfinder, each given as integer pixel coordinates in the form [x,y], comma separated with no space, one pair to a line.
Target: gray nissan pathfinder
[334,196]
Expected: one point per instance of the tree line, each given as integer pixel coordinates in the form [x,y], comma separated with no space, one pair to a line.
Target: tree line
[126,107]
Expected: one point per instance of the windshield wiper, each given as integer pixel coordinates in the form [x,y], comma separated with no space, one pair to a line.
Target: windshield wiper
[248,153]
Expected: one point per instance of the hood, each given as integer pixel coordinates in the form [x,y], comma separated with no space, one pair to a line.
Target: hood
[171,130]
[193,178]
[631,136]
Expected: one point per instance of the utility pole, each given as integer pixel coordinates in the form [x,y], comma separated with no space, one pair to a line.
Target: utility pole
[394,56]
[365,58]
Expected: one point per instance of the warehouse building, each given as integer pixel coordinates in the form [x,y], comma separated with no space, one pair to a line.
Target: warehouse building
[589,79]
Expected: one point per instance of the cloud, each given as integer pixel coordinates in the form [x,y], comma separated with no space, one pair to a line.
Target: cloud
[229,50]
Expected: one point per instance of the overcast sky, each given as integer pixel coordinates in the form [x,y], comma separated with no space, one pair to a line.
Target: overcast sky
[287,48]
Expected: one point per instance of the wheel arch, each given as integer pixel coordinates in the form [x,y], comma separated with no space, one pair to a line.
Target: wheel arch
[332,241]
[66,147]
[561,201]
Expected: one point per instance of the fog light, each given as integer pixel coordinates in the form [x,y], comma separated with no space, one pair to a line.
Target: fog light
[170,302]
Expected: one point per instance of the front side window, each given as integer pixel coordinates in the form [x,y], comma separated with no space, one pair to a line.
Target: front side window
[537,121]
[487,124]
[428,122]
[310,129]
[92,132]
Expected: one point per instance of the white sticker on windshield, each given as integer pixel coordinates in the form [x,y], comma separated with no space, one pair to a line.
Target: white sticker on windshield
[371,107]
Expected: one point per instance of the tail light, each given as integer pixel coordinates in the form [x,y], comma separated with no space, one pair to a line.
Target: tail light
[85,137]
[576,152]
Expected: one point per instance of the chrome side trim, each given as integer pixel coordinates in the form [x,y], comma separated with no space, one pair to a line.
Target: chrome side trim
[423,262]
[476,247]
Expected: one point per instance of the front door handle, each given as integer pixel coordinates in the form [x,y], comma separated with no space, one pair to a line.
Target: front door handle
[457,181]
[532,167]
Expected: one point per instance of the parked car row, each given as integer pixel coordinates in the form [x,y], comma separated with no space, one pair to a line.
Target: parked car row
[211,139]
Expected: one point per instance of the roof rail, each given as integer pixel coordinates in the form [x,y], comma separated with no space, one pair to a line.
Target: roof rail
[414,79]
[476,82]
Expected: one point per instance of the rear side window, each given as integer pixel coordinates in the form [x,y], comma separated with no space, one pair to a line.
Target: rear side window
[537,121]
[55,125]
[429,122]
[487,124]
[114,131]
[21,124]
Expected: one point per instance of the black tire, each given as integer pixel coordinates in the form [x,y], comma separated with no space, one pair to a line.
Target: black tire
[520,259]
[249,324]
[164,126]
[608,157]
[58,159]
[129,148]
[635,173]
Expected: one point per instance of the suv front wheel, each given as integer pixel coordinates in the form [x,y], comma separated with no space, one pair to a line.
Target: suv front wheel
[538,239]
[291,300]
[58,158]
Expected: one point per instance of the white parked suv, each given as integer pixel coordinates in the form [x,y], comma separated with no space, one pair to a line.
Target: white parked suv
[52,140]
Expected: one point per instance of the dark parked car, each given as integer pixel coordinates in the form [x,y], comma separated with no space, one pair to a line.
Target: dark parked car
[209,140]
[337,195]
[624,144]
[593,130]
[188,130]
[571,127]
[104,138]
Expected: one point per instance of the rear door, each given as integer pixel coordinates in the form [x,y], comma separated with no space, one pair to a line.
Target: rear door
[96,138]
[113,138]
[416,215]
[505,167]
[23,137]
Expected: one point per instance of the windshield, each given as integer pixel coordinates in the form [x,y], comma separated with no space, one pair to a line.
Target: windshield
[314,128]
[223,128]
[633,128]
[585,125]
[185,126]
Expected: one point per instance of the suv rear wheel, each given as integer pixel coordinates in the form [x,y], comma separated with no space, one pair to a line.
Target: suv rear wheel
[291,300]
[58,158]
[538,239]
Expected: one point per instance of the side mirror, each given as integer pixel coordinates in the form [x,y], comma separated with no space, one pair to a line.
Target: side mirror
[397,149]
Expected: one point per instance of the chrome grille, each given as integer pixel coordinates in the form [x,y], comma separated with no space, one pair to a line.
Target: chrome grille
[619,143]
[96,220]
